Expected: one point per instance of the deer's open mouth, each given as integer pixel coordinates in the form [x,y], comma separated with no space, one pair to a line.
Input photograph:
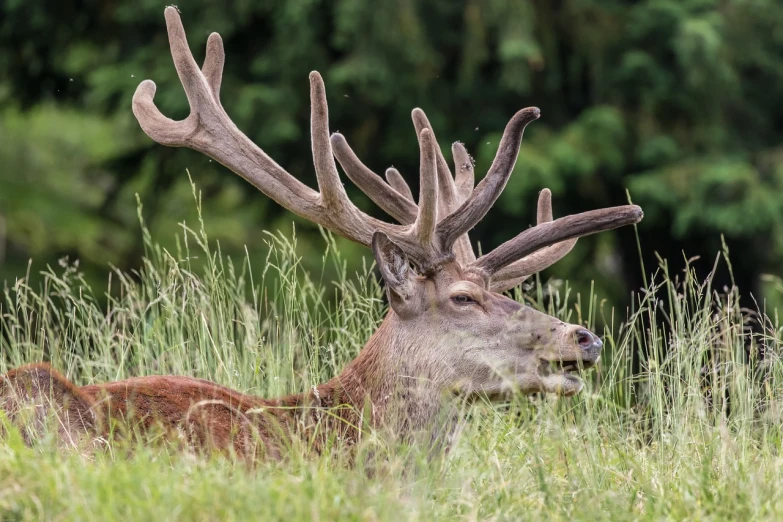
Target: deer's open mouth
[574,366]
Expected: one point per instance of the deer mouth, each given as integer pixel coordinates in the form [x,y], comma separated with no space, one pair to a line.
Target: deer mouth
[562,377]
[574,366]
[550,365]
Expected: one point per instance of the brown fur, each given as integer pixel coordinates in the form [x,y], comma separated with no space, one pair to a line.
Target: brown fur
[31,394]
[206,415]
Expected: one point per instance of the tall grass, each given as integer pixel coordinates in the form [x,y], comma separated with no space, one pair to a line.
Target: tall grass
[681,421]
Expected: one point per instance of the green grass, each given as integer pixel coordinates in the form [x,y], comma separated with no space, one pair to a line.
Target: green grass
[694,433]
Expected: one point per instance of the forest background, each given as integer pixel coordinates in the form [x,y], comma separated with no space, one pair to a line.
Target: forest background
[673,102]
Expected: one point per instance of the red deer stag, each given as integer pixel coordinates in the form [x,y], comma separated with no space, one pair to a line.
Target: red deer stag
[449,331]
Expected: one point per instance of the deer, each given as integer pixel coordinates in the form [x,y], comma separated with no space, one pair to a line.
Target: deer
[449,335]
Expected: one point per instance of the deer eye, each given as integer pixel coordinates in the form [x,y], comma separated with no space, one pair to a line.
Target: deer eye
[463,299]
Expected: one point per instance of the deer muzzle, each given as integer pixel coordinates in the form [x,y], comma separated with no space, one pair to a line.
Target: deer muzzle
[560,371]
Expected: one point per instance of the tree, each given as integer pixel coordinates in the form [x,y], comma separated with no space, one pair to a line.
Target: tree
[673,100]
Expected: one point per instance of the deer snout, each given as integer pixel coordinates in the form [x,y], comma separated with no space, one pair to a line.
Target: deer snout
[589,343]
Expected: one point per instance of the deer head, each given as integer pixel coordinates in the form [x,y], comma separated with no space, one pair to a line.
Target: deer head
[448,319]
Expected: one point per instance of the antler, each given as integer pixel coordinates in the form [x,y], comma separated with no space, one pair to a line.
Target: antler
[397,194]
[430,233]
[514,261]
[209,130]
[515,273]
[473,203]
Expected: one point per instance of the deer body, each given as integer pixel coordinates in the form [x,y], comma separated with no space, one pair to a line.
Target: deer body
[449,335]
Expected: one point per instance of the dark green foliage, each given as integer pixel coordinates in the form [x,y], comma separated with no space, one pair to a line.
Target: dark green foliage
[675,100]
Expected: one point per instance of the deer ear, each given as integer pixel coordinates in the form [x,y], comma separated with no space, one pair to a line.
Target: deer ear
[395,268]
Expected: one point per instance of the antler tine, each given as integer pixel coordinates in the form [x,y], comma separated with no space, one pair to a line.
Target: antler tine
[398,183]
[463,179]
[487,192]
[187,69]
[447,191]
[512,275]
[544,208]
[464,174]
[213,64]
[331,188]
[392,201]
[448,197]
[157,126]
[427,219]
[545,234]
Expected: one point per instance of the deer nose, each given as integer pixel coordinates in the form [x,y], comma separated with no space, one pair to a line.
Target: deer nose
[588,341]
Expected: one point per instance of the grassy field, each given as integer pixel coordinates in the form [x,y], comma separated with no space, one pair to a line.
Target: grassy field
[694,433]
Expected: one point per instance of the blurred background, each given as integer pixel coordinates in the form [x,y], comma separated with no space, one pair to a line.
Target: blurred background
[677,102]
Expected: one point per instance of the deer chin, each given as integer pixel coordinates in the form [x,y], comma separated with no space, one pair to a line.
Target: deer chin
[563,384]
[555,376]
[562,377]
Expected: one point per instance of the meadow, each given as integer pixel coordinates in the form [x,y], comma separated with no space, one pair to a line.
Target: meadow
[681,421]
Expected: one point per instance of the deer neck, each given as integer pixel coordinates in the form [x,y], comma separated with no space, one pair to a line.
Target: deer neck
[392,383]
